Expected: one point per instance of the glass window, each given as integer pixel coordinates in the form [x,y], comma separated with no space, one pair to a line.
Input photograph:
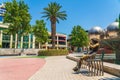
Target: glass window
[1,18]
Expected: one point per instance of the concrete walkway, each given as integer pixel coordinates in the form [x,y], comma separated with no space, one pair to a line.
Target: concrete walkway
[60,68]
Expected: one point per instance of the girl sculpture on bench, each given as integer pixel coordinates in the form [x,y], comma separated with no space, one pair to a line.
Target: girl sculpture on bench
[94,45]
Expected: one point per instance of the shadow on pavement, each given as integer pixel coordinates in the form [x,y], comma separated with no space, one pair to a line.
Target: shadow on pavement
[113,78]
[83,72]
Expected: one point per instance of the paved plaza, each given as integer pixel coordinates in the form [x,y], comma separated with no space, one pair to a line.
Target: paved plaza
[50,68]
[12,68]
[60,68]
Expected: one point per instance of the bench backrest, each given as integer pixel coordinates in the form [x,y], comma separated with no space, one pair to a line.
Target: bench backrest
[104,56]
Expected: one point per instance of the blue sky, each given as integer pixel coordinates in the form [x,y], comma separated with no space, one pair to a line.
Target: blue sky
[86,13]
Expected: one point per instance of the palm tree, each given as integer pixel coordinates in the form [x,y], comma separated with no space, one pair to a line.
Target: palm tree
[53,13]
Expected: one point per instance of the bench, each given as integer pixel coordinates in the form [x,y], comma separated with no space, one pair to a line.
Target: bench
[94,65]
[113,69]
[108,57]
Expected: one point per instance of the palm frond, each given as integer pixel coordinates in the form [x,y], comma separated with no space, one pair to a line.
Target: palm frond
[53,12]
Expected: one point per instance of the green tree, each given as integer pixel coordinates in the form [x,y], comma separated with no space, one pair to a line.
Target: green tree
[117,20]
[17,15]
[12,16]
[79,37]
[40,31]
[25,26]
[53,13]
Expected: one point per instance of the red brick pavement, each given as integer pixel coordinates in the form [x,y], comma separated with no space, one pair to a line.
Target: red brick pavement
[19,68]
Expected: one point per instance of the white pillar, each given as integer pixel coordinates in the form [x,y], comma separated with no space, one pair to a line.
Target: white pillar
[46,45]
[29,42]
[39,45]
[16,41]
[33,44]
[11,40]
[21,43]
[1,38]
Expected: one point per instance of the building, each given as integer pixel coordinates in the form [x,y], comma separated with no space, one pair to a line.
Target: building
[113,29]
[28,41]
[61,42]
[95,32]
[2,11]
[110,32]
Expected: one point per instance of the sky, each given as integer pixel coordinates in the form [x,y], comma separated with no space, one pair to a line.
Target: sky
[86,13]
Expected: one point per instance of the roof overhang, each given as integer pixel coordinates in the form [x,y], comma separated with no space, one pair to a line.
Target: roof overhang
[4,25]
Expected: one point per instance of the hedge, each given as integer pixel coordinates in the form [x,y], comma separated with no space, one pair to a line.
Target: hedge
[52,52]
[0,46]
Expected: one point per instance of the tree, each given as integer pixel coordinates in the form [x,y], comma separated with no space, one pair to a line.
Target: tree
[117,20]
[40,31]
[79,37]
[25,18]
[12,16]
[18,17]
[53,13]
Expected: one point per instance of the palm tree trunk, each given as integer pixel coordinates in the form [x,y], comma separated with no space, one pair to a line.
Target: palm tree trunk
[53,33]
[117,56]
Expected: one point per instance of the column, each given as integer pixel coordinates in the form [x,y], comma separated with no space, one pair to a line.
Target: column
[16,41]
[21,42]
[57,42]
[11,40]
[39,45]
[0,38]
[33,44]
[29,42]
[46,45]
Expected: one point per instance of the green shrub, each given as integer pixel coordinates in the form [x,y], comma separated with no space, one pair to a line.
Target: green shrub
[0,46]
[52,52]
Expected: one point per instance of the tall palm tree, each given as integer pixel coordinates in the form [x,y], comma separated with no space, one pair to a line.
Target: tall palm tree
[53,13]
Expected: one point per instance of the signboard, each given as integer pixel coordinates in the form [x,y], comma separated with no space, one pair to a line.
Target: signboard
[2,11]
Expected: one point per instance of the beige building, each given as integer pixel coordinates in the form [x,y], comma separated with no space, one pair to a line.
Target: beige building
[110,32]
[95,32]
[28,41]
[60,42]
[113,29]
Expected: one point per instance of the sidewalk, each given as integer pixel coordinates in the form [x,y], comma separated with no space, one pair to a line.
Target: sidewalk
[60,68]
